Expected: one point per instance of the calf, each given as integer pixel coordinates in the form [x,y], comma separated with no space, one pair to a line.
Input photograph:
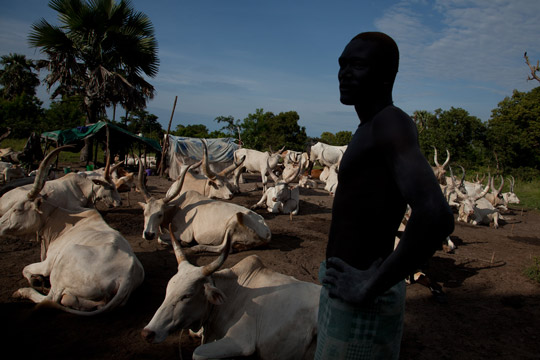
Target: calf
[282,197]
[247,309]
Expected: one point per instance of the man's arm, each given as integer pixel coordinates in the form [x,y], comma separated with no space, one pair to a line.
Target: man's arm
[430,222]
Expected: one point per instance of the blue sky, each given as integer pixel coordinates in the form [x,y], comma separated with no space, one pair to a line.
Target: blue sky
[232,57]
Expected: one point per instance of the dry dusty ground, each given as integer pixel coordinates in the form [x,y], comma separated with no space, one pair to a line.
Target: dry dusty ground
[492,310]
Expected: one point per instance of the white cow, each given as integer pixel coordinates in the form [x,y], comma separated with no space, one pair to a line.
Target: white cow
[256,161]
[475,209]
[71,191]
[510,197]
[327,155]
[247,309]
[282,197]
[90,266]
[210,184]
[196,218]
[439,170]
[332,179]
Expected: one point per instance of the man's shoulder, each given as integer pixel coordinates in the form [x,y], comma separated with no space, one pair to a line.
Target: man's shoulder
[393,118]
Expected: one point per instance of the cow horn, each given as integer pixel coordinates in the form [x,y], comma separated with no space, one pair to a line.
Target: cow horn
[512,183]
[461,195]
[435,157]
[42,172]
[501,186]
[205,166]
[226,247]
[176,246]
[178,183]
[462,176]
[447,158]
[232,167]
[270,172]
[140,182]
[485,191]
[116,166]
[292,178]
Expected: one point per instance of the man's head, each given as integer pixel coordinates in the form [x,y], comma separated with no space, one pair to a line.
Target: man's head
[367,67]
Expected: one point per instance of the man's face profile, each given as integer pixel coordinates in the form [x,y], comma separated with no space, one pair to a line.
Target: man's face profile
[358,73]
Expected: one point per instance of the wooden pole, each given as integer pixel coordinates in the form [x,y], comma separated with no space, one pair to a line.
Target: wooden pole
[166,142]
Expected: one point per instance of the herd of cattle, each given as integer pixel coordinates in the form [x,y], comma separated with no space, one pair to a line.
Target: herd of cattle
[87,267]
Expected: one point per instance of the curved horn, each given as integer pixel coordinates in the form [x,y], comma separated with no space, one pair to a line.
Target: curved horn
[501,186]
[296,174]
[435,157]
[116,166]
[176,246]
[270,172]
[447,158]
[232,167]
[226,247]
[484,192]
[42,172]
[462,176]
[205,166]
[140,182]
[178,183]
[461,195]
[512,182]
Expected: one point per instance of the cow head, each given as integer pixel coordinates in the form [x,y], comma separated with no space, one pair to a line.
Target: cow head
[154,209]
[218,185]
[467,202]
[189,295]
[440,170]
[25,216]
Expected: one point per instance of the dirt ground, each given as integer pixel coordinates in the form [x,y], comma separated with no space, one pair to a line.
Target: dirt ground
[492,310]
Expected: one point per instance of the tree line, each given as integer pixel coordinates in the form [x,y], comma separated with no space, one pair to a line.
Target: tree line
[96,58]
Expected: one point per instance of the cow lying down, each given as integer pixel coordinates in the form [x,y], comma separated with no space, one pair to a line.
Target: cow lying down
[90,266]
[197,219]
[247,309]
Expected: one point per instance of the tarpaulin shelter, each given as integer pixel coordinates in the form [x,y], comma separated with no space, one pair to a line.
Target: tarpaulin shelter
[121,141]
[187,150]
[116,134]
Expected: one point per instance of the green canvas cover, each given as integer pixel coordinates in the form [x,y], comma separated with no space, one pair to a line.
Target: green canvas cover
[116,134]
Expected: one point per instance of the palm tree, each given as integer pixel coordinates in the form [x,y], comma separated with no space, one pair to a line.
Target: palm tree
[17,76]
[101,51]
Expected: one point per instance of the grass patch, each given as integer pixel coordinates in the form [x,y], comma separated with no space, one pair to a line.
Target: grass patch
[533,271]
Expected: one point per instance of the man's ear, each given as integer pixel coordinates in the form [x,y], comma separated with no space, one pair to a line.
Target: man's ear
[214,295]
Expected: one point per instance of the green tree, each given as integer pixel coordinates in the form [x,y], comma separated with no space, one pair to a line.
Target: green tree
[514,130]
[232,126]
[338,139]
[100,51]
[17,76]
[64,114]
[264,130]
[456,130]
[23,114]
[196,131]
[142,122]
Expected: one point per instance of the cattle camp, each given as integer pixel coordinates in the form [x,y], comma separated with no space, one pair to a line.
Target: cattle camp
[174,177]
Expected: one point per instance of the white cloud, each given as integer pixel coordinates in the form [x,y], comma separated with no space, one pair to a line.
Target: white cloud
[473,40]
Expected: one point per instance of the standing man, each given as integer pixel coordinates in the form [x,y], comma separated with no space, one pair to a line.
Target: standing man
[383,170]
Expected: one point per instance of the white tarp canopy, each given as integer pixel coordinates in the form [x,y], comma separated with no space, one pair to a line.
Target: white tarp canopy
[187,150]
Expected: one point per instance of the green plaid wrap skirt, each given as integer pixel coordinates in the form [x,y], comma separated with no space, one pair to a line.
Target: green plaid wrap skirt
[360,332]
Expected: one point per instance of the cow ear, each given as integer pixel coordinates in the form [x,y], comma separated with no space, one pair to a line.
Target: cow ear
[214,295]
